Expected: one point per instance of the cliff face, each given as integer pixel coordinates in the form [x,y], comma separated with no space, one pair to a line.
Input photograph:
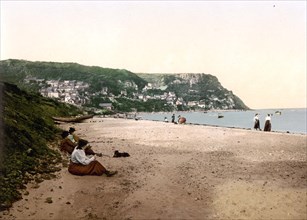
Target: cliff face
[204,89]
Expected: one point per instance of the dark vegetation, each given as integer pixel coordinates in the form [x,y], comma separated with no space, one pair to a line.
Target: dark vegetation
[15,71]
[27,128]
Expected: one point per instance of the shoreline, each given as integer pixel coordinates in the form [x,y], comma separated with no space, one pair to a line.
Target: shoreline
[290,121]
[177,172]
[218,126]
[220,110]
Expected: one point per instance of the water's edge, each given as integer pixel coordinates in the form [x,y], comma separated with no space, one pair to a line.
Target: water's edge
[283,121]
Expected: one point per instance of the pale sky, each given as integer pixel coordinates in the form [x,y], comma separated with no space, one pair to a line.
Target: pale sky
[257,49]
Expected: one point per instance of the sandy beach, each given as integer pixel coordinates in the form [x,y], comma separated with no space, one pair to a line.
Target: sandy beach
[177,172]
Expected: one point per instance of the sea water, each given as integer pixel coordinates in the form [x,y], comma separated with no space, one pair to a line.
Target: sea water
[282,120]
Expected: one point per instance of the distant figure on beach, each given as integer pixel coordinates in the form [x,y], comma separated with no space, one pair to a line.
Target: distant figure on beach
[182,120]
[81,165]
[179,116]
[267,125]
[256,122]
[173,118]
[165,119]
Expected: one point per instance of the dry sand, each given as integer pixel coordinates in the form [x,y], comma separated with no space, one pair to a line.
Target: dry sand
[177,172]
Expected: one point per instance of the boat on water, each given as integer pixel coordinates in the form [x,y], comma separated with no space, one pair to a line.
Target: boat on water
[220,115]
[73,119]
[278,112]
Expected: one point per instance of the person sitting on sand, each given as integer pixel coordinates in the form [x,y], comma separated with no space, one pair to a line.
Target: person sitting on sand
[68,146]
[81,164]
[165,119]
[182,120]
[73,137]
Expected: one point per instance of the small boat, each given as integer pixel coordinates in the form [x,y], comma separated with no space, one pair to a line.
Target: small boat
[278,112]
[220,116]
[73,119]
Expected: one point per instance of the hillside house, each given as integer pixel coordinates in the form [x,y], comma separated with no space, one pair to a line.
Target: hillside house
[104,91]
[123,92]
[106,106]
[192,103]
[202,104]
[53,83]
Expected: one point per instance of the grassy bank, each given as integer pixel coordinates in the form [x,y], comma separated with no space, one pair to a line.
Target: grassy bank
[26,130]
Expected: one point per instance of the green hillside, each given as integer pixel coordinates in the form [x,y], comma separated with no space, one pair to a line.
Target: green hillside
[15,71]
[124,90]
[26,129]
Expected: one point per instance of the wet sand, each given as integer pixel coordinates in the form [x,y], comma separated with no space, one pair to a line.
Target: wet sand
[177,172]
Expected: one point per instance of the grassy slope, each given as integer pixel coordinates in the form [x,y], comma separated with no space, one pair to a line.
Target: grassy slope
[27,128]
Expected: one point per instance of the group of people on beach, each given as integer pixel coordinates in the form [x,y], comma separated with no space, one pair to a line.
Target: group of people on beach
[82,157]
[267,123]
[181,120]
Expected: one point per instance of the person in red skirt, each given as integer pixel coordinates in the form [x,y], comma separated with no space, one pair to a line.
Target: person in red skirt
[81,164]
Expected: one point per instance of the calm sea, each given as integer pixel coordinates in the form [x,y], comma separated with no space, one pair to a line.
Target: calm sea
[288,120]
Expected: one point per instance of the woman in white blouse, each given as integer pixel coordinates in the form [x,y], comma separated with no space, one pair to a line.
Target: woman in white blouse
[256,122]
[81,164]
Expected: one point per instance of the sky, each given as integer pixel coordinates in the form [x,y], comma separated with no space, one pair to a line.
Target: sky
[257,49]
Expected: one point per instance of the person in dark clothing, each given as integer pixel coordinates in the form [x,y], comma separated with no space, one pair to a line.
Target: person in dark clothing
[256,122]
[267,125]
[173,118]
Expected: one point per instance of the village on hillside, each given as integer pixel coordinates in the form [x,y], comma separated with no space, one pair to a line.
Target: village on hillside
[76,93]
